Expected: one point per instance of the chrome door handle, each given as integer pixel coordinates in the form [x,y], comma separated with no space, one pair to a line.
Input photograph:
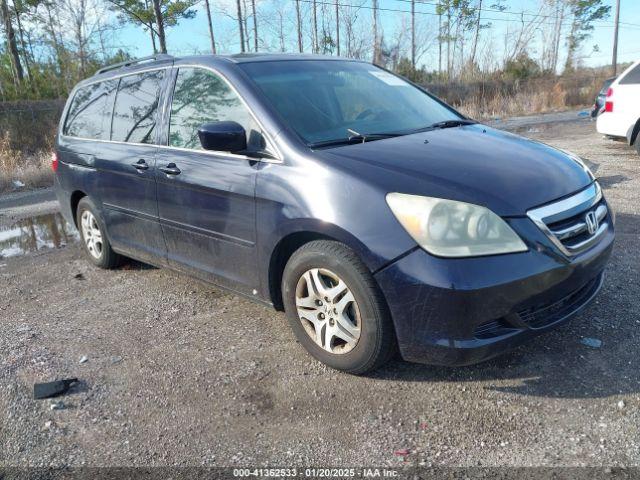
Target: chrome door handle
[140,165]
[170,169]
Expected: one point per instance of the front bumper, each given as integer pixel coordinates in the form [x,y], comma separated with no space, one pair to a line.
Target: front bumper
[463,311]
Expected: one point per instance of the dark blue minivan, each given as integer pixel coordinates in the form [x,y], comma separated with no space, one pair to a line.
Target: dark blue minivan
[375,215]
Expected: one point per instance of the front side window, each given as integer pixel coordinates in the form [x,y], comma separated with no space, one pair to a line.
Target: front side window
[328,100]
[135,112]
[200,97]
[89,115]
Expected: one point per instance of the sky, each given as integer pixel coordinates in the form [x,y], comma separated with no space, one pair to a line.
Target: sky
[191,36]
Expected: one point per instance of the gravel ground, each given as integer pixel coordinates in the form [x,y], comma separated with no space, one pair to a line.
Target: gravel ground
[181,373]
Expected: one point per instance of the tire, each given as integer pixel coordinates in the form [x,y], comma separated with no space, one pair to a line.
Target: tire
[354,326]
[93,236]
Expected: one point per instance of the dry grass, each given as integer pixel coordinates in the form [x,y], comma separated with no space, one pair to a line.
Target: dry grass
[32,169]
[519,104]
[27,134]
[501,98]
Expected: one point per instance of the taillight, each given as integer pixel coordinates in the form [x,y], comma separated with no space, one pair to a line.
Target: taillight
[54,161]
[608,107]
[609,92]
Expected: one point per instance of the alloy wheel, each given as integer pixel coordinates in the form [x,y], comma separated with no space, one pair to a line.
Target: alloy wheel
[328,310]
[91,234]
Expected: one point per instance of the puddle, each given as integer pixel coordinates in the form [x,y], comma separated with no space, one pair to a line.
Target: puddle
[36,233]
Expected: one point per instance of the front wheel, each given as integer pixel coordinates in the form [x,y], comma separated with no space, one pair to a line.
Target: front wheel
[336,309]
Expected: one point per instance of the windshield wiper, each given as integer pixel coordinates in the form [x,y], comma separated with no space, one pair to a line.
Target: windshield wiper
[354,137]
[451,123]
[443,124]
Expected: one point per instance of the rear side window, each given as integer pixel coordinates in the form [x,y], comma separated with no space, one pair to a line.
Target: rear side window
[199,97]
[633,77]
[135,112]
[89,115]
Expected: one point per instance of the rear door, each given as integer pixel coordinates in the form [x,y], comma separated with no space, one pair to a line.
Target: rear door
[206,200]
[126,164]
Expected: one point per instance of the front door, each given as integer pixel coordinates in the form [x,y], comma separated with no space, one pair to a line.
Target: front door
[206,200]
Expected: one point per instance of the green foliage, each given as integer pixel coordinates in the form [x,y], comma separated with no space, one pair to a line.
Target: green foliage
[140,12]
[416,75]
[46,81]
[521,67]
[584,13]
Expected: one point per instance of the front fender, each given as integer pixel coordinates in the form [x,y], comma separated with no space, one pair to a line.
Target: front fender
[318,198]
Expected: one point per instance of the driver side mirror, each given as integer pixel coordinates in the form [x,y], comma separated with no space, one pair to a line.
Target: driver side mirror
[224,136]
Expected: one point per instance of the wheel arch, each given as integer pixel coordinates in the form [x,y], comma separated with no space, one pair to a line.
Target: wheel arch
[300,235]
[634,131]
[76,196]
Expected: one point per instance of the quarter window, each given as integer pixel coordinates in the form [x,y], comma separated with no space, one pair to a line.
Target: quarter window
[135,112]
[200,97]
[90,111]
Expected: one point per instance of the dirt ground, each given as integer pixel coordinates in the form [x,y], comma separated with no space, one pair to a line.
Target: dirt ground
[181,373]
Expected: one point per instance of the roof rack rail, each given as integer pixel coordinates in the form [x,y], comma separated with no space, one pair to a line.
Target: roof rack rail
[134,61]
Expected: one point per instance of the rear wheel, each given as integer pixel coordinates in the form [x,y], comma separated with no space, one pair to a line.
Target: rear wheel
[336,309]
[93,235]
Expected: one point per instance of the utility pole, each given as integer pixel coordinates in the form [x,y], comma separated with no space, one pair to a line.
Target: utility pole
[614,60]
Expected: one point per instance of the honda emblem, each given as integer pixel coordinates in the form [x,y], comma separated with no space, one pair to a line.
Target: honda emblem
[592,222]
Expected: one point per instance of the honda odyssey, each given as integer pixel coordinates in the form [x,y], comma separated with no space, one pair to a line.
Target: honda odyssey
[376,216]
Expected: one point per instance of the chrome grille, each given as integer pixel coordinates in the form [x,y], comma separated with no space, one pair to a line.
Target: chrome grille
[575,223]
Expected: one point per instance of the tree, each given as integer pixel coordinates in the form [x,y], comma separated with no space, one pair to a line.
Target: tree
[240,25]
[299,26]
[551,34]
[584,13]
[155,17]
[210,24]
[20,8]
[81,20]
[315,44]
[337,28]
[12,45]
[521,67]
[255,25]
[413,33]
[376,37]
[517,41]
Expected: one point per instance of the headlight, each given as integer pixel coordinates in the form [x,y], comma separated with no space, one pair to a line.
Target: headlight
[453,229]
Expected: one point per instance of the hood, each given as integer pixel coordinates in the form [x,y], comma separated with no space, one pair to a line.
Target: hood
[476,164]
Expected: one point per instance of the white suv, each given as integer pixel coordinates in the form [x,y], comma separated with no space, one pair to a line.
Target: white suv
[621,114]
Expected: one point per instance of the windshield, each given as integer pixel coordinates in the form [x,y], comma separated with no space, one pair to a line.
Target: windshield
[331,100]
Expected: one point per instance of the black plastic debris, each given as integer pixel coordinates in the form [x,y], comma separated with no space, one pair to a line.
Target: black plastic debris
[52,389]
[79,276]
